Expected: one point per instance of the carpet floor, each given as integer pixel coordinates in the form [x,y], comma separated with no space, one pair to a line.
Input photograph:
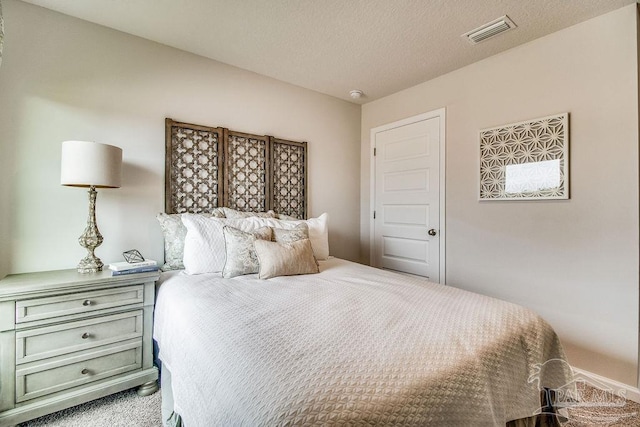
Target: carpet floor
[602,408]
[130,410]
[118,410]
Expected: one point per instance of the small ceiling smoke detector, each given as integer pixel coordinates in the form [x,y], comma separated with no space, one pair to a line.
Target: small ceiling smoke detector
[490,29]
[356,94]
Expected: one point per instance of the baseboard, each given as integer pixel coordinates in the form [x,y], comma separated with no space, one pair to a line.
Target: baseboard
[630,392]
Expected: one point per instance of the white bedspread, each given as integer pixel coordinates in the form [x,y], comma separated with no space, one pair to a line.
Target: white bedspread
[352,345]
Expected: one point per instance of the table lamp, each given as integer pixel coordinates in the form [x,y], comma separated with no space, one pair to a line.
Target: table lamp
[92,165]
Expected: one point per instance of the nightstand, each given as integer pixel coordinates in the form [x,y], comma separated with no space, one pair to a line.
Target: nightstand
[67,338]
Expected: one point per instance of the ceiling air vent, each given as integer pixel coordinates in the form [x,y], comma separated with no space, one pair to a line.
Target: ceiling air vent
[491,29]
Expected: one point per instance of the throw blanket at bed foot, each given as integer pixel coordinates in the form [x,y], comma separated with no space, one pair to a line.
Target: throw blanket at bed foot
[352,345]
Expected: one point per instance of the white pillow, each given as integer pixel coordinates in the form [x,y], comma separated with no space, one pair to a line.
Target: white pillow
[204,245]
[319,235]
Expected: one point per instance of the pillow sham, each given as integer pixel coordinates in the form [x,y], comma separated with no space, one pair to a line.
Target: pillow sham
[204,245]
[174,233]
[240,252]
[285,259]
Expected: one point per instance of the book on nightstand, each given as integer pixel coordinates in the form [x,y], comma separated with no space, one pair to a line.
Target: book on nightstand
[146,269]
[119,268]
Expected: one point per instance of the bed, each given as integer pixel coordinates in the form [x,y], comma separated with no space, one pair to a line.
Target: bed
[317,340]
[351,345]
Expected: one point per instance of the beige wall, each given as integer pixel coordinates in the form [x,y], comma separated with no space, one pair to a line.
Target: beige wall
[62,78]
[575,262]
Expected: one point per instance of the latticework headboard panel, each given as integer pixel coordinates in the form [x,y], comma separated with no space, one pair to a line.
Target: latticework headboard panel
[209,167]
[193,168]
[247,172]
[289,164]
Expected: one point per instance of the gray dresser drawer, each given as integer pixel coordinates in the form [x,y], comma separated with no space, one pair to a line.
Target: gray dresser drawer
[82,302]
[41,343]
[36,380]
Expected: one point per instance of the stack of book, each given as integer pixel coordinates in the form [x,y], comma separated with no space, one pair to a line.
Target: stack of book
[119,268]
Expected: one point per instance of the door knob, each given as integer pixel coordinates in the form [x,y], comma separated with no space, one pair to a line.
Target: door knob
[432,232]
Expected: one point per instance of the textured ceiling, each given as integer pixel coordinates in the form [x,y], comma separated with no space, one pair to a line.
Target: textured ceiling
[333,46]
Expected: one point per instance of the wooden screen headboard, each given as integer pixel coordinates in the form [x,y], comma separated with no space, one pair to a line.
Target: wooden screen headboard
[209,167]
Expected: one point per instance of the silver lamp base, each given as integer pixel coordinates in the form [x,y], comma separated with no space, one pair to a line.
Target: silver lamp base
[91,239]
[90,264]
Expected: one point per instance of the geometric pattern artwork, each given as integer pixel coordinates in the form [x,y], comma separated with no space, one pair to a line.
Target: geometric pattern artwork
[526,161]
[211,167]
[289,178]
[246,169]
[194,154]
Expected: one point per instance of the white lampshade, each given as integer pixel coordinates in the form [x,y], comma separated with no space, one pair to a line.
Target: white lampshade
[86,164]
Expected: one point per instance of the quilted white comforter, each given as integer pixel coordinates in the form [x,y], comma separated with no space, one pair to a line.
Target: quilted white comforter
[352,345]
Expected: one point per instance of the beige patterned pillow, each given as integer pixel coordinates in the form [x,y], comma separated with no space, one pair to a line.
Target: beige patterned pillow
[299,232]
[285,259]
[240,251]
[288,217]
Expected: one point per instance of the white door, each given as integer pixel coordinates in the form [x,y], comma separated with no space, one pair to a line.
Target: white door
[407,225]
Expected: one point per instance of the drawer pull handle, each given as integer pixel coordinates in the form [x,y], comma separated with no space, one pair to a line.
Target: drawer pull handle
[86,335]
[85,371]
[87,302]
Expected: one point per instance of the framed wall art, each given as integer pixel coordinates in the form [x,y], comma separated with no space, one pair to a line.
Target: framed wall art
[526,161]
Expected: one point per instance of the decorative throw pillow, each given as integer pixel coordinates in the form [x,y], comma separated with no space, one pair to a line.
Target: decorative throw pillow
[318,231]
[299,232]
[240,251]
[285,259]
[174,233]
[235,214]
